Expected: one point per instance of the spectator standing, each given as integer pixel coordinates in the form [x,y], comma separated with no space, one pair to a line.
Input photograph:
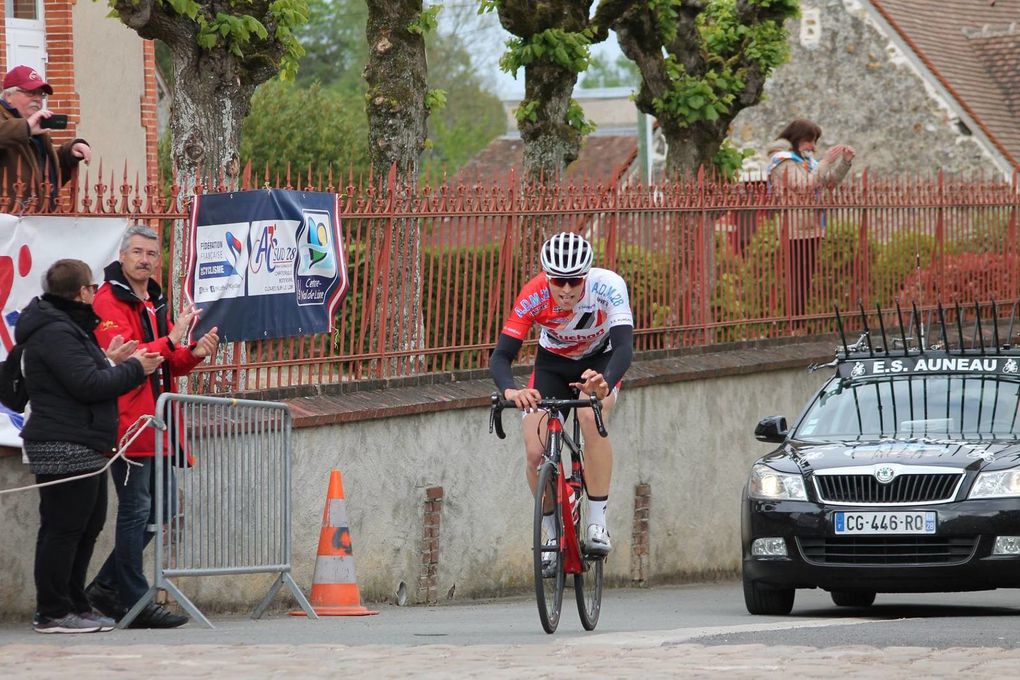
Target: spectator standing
[26,150]
[131,304]
[793,170]
[71,428]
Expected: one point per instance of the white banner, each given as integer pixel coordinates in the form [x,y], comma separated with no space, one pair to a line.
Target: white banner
[29,246]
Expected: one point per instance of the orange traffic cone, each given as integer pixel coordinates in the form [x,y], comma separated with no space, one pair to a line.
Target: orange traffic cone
[334,588]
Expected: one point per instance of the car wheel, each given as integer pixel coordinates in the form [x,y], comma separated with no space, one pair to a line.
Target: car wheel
[853,598]
[767,601]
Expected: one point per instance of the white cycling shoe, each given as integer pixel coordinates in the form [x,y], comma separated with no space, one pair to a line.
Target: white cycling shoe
[549,561]
[598,541]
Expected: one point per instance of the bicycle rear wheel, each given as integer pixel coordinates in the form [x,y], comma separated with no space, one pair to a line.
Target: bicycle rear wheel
[587,584]
[548,589]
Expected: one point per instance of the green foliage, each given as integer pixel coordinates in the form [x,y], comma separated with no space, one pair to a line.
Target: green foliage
[435,100]
[620,73]
[729,159]
[527,111]
[474,117]
[564,48]
[643,270]
[335,47]
[313,126]
[728,47]
[665,14]
[485,6]
[427,21]
[576,119]
[691,99]
[238,32]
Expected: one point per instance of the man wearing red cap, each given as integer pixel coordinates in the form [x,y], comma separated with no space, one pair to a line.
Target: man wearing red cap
[25,147]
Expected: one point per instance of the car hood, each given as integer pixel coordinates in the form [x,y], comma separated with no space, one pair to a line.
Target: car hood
[804,456]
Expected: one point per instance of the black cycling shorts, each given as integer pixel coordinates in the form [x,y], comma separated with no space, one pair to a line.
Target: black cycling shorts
[553,374]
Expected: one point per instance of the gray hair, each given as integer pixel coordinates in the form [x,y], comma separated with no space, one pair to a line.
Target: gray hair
[137,230]
[6,94]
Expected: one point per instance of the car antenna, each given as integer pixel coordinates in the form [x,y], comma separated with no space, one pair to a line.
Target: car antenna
[942,322]
[920,326]
[867,330]
[881,326]
[959,324]
[979,336]
[839,325]
[995,325]
[1012,317]
[903,332]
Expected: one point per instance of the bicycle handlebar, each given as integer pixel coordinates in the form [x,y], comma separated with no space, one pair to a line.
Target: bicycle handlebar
[592,402]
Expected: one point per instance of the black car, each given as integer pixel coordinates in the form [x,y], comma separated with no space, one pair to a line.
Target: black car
[902,475]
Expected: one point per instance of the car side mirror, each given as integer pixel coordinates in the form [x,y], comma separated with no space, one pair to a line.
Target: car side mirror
[772,429]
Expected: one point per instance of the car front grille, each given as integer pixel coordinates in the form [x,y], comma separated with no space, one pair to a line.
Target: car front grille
[888,550]
[908,488]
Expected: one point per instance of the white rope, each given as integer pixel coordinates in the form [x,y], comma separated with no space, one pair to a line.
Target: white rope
[133,432]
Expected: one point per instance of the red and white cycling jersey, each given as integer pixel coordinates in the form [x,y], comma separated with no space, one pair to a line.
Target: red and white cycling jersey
[578,332]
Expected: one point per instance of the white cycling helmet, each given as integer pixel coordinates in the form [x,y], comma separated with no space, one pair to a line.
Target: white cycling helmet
[567,254]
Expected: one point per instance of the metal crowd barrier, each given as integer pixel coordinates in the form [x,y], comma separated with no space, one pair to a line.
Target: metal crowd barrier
[224,493]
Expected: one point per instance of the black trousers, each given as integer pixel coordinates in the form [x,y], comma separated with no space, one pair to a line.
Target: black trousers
[71,515]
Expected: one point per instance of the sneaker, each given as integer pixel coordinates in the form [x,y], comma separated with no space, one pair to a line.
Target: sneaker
[105,623]
[549,560]
[71,623]
[155,616]
[105,601]
[598,540]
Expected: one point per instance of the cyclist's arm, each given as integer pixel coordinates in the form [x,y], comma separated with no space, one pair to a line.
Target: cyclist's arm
[502,357]
[622,339]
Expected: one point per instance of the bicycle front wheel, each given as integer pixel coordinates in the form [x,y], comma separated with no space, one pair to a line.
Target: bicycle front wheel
[587,584]
[549,578]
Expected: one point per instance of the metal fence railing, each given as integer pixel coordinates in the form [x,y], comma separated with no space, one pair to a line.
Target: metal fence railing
[706,261]
[224,493]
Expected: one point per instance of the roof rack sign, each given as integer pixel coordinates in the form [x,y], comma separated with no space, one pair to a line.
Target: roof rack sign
[930,363]
[988,329]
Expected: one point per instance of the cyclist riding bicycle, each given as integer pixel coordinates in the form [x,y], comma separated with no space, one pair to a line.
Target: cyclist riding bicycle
[586,343]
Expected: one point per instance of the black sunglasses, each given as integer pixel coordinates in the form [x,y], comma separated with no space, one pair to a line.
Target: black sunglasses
[573,281]
[92,286]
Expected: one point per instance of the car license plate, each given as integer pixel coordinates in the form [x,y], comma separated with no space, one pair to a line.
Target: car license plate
[884,522]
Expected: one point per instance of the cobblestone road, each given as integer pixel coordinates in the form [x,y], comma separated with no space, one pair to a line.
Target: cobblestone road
[603,657]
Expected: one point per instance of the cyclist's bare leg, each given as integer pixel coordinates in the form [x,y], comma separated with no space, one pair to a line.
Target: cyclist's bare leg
[598,450]
[534,445]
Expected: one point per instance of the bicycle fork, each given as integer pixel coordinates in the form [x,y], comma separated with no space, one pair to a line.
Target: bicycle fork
[568,500]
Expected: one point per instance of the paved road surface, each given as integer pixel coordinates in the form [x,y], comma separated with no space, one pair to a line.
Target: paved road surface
[698,631]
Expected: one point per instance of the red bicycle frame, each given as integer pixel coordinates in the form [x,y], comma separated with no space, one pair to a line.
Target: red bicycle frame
[569,546]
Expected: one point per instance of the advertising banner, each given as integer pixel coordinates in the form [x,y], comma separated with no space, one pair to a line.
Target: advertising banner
[28,246]
[266,264]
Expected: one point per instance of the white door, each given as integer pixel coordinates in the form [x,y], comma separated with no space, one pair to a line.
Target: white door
[26,34]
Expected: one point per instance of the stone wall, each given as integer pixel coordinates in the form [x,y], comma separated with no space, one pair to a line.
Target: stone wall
[850,79]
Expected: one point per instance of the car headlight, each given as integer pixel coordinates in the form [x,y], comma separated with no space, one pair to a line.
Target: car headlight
[767,484]
[998,484]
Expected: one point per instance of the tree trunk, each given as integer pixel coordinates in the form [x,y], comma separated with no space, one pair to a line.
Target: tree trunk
[202,152]
[550,143]
[690,148]
[397,84]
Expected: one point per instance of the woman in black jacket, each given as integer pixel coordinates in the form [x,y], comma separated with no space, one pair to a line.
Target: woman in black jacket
[71,428]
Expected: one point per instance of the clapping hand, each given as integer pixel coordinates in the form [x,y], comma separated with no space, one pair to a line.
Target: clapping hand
[119,350]
[182,324]
[844,151]
[206,344]
[150,360]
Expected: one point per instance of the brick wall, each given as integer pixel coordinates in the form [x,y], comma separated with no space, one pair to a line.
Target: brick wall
[147,109]
[60,66]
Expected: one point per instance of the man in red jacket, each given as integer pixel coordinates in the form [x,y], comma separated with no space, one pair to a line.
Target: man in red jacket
[131,304]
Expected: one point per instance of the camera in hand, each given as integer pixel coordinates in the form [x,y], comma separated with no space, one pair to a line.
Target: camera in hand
[58,121]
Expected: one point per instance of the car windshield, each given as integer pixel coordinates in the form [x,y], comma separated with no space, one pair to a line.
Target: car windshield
[916,406]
